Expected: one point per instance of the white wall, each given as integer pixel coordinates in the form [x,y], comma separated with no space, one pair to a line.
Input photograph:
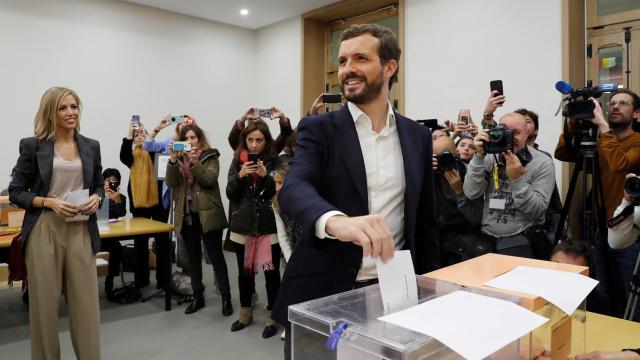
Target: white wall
[454,48]
[278,68]
[122,59]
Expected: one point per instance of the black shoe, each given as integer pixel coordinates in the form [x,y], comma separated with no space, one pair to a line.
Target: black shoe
[269,331]
[196,304]
[227,308]
[236,326]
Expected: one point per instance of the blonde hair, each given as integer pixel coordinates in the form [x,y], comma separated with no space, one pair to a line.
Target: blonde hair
[281,171]
[46,119]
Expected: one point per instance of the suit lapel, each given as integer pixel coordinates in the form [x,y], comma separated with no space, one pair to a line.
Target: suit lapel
[349,145]
[86,156]
[45,162]
[413,165]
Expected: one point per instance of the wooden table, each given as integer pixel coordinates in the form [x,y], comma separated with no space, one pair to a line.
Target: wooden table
[129,228]
[606,333]
[124,230]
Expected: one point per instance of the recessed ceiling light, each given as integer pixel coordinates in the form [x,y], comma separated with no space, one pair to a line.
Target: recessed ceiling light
[244,12]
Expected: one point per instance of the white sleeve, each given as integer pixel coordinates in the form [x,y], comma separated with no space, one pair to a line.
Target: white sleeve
[626,232]
[283,237]
[321,224]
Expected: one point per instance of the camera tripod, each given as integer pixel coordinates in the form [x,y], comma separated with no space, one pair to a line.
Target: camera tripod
[586,162]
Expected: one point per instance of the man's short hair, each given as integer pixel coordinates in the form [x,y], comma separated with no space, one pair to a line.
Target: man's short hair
[636,98]
[112,172]
[531,114]
[389,48]
[574,249]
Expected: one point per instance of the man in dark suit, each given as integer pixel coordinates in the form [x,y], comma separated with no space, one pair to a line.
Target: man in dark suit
[361,183]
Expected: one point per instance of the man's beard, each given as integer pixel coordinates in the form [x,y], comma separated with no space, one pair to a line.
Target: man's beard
[367,94]
[619,123]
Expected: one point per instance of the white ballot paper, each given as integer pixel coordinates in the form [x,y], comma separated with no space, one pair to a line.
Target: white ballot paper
[397,280]
[474,326]
[566,290]
[78,198]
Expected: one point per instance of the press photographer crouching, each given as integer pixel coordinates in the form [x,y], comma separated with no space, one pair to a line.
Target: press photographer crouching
[456,216]
[515,182]
[624,230]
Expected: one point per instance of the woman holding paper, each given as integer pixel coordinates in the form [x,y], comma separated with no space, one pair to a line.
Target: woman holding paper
[59,253]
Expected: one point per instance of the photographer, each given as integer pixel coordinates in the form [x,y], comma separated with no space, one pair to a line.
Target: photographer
[516,194]
[117,208]
[279,143]
[618,149]
[456,216]
[625,233]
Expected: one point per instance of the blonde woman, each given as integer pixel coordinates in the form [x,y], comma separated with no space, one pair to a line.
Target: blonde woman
[59,253]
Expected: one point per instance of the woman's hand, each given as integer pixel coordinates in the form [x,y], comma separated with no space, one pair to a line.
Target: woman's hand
[193,154]
[248,168]
[173,155]
[276,113]
[262,170]
[164,122]
[61,208]
[91,206]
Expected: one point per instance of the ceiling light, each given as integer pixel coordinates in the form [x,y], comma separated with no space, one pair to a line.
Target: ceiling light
[244,12]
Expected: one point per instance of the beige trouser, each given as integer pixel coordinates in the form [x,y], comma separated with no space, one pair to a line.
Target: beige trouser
[60,261]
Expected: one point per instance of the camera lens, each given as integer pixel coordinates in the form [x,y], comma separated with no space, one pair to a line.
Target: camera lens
[495,135]
[632,186]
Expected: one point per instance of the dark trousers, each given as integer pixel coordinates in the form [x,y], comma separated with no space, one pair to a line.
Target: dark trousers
[115,255]
[246,282]
[191,235]
[141,248]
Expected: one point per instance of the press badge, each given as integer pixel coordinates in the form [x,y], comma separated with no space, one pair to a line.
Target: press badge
[497,202]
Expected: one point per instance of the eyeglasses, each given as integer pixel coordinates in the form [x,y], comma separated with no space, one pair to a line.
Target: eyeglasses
[620,103]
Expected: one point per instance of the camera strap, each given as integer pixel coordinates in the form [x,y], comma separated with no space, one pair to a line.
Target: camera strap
[626,212]
[496,181]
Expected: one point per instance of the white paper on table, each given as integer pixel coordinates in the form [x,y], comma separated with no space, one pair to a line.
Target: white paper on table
[566,290]
[397,279]
[474,326]
[78,198]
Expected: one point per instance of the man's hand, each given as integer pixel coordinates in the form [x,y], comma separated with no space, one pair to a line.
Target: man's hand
[480,140]
[514,166]
[454,179]
[434,162]
[459,129]
[113,195]
[598,117]
[369,231]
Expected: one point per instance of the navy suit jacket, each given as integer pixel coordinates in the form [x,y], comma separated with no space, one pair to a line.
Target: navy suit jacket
[327,174]
[32,176]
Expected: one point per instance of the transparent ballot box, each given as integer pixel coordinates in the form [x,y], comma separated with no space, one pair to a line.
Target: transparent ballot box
[366,337]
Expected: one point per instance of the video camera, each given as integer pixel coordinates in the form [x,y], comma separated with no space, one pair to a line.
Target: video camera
[577,104]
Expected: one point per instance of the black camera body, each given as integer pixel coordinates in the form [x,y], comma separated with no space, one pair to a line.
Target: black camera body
[632,187]
[500,140]
[113,185]
[446,160]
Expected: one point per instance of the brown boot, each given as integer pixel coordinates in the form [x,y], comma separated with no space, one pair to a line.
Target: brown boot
[245,318]
[270,327]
